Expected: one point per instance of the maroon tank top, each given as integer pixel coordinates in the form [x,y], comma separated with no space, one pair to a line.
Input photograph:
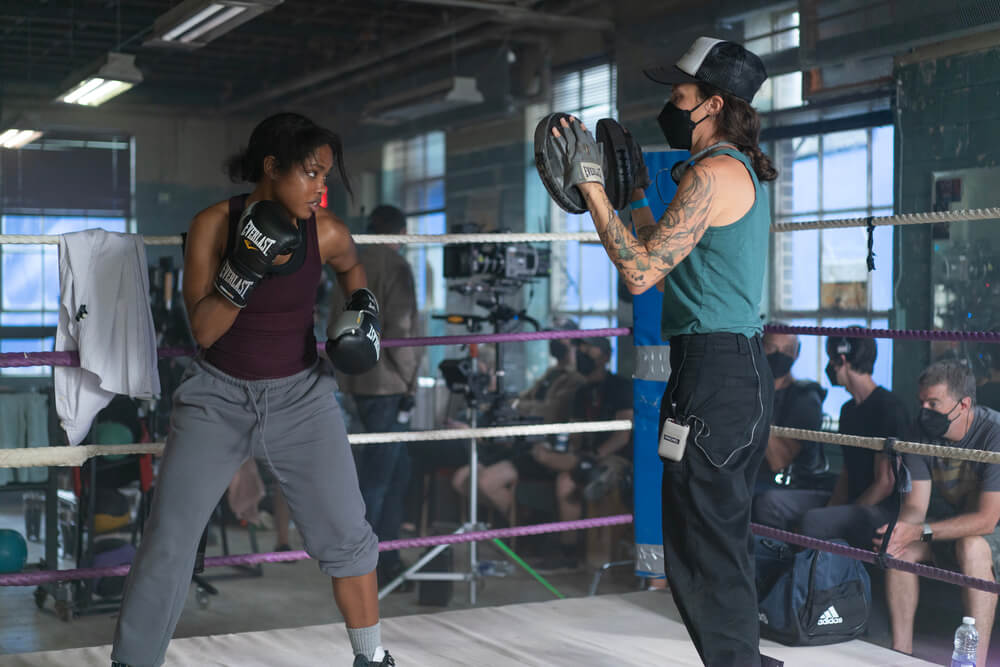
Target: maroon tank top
[273,336]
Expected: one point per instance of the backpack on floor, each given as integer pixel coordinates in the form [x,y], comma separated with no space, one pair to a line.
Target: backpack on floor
[810,597]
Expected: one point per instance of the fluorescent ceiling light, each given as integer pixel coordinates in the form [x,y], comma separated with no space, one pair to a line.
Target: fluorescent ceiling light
[111,76]
[227,15]
[194,23]
[104,92]
[15,138]
[203,15]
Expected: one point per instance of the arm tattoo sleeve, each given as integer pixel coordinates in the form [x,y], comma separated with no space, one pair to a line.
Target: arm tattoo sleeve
[656,250]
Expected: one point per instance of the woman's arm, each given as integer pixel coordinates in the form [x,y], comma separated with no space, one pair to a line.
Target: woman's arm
[209,313]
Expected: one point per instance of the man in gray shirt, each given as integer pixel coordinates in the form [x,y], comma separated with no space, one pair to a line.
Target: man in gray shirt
[960,526]
[384,396]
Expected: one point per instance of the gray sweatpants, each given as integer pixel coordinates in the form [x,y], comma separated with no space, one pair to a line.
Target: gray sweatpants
[217,422]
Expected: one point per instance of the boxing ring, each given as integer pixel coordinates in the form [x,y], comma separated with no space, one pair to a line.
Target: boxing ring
[630,629]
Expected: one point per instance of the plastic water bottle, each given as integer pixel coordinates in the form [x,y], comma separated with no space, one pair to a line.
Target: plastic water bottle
[966,641]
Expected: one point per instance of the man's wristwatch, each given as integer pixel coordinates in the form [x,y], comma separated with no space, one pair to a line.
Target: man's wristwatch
[928,534]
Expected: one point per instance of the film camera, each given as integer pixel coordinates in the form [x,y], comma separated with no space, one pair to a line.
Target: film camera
[511,261]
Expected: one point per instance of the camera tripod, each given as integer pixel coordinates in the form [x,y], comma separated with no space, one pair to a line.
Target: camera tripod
[413,572]
[472,383]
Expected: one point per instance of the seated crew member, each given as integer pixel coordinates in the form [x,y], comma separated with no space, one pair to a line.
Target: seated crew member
[790,463]
[959,525]
[862,498]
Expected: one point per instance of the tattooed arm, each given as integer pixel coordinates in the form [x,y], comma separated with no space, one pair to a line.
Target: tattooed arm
[656,249]
[641,217]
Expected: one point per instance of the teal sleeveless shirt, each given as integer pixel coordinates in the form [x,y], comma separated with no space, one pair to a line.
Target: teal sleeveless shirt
[718,286]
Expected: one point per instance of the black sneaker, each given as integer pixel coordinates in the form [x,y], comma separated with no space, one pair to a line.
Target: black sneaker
[386,661]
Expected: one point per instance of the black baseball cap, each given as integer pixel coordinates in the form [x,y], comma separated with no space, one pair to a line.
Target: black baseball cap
[603,344]
[725,65]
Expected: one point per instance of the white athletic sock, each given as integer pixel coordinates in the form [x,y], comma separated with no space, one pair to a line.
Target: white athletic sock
[366,641]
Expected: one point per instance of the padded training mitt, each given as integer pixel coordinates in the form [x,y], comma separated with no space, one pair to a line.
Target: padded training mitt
[619,164]
[550,160]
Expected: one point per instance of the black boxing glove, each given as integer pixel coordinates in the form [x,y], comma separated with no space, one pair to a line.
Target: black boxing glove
[263,233]
[354,339]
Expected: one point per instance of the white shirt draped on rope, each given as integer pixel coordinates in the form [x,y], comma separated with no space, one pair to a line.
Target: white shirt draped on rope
[104,313]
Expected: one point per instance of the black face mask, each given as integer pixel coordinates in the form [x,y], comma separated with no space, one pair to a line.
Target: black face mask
[585,363]
[677,126]
[780,363]
[831,374]
[934,424]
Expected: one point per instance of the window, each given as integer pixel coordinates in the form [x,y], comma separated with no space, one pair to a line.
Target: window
[59,184]
[768,32]
[413,179]
[29,283]
[584,282]
[820,277]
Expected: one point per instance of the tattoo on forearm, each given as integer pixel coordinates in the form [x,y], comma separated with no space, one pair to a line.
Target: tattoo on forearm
[655,250]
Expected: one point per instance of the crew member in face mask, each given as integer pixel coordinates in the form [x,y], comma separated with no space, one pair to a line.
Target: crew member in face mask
[790,463]
[604,396]
[960,530]
[709,250]
[862,499]
[550,400]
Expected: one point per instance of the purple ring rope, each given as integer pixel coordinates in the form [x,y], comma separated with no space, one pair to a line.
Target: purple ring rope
[45,576]
[505,337]
[920,569]
[927,571]
[901,334]
[24,359]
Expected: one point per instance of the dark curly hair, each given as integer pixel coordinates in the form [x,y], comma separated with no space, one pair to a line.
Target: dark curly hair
[739,123]
[290,138]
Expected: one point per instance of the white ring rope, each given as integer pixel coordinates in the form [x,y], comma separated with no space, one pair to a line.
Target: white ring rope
[966,215]
[75,456]
[878,444]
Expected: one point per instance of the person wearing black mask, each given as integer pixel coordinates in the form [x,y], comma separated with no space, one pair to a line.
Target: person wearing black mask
[862,498]
[961,527]
[604,396]
[551,400]
[790,463]
[708,252]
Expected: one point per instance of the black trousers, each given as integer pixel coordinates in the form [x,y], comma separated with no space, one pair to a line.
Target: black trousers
[720,385]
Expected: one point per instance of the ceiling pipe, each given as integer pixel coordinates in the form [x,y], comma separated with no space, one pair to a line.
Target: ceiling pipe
[326,73]
[367,62]
[423,56]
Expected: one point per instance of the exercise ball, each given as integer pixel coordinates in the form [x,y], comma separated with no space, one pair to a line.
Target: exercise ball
[13,551]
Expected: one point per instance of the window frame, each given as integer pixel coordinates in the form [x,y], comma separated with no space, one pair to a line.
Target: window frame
[560,221]
[825,316]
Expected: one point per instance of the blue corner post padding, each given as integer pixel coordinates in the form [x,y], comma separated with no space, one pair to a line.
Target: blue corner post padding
[649,383]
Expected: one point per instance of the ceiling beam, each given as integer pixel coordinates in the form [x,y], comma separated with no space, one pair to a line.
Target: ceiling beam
[520,15]
[326,73]
[479,37]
